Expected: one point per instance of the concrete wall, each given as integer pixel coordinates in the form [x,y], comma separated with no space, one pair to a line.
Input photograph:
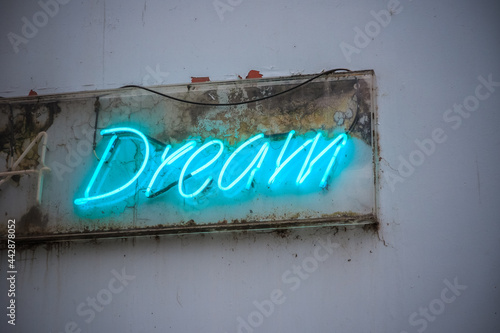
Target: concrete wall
[432,267]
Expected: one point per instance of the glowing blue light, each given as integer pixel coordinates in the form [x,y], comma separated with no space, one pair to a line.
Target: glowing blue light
[99,166]
[261,154]
[86,198]
[168,161]
[206,165]
[279,165]
[165,152]
[302,176]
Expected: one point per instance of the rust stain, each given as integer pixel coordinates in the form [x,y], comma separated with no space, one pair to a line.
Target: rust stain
[253,74]
[34,221]
[375,227]
[200,79]
[282,233]
[32,93]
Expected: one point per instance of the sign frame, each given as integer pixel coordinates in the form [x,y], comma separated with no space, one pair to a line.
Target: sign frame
[102,106]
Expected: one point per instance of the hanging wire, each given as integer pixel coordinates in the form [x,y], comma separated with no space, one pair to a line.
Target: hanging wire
[242,102]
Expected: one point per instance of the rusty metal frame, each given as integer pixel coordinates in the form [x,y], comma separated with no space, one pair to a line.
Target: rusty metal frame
[368,220]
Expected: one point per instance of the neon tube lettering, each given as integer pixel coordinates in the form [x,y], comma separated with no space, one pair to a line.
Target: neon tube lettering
[168,161]
[249,171]
[165,152]
[279,165]
[261,154]
[206,165]
[263,150]
[101,163]
[86,198]
[300,179]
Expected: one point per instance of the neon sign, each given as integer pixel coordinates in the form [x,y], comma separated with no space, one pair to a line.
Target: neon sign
[284,152]
[206,162]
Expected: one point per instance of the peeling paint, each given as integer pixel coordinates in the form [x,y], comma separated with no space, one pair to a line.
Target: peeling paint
[253,74]
[200,79]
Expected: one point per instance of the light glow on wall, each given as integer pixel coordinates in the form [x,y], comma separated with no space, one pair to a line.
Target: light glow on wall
[168,161]
[259,157]
[279,165]
[212,167]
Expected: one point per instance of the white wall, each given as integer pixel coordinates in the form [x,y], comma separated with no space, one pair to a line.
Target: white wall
[439,221]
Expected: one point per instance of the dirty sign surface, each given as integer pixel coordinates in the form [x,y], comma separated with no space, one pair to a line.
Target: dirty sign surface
[128,161]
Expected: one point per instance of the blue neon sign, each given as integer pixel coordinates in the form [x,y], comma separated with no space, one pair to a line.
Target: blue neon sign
[114,131]
[206,161]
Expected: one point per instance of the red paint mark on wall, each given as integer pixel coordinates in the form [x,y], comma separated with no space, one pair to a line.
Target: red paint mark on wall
[32,93]
[254,75]
[200,79]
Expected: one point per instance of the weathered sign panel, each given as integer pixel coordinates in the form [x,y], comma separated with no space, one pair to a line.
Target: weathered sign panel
[250,154]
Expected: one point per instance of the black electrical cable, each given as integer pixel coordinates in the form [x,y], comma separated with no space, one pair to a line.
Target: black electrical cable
[237,103]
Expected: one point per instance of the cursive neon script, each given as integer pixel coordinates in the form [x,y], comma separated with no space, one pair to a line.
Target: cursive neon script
[207,156]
